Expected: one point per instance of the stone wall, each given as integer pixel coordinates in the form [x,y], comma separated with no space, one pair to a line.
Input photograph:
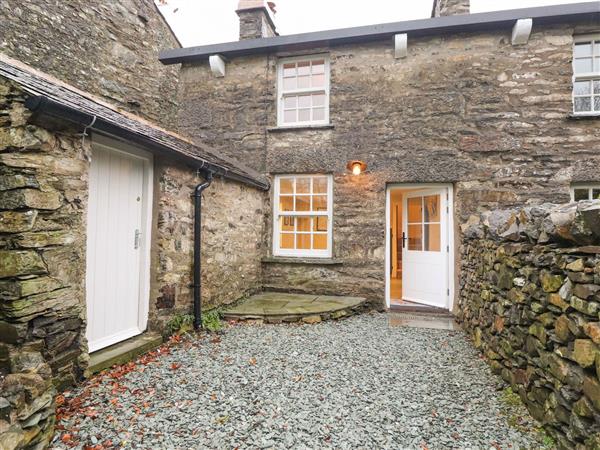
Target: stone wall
[43,195]
[232,227]
[106,48]
[468,109]
[530,297]
[450,7]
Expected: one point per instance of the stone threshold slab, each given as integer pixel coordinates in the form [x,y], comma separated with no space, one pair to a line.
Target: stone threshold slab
[122,352]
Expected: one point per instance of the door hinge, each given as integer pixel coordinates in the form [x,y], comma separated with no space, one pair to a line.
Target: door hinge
[448,292]
[136,239]
[448,248]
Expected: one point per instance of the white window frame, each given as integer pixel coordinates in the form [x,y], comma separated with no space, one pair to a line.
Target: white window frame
[588,186]
[585,76]
[281,93]
[301,253]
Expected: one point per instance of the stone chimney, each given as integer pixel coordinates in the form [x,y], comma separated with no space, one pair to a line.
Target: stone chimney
[450,7]
[256,19]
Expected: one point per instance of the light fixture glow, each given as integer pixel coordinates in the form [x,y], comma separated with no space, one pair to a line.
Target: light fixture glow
[356,167]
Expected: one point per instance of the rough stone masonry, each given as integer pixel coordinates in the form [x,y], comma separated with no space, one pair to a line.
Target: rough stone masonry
[530,297]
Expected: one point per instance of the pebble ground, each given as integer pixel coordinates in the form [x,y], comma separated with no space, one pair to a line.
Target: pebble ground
[356,383]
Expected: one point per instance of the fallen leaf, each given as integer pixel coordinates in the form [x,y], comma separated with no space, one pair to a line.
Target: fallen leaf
[175,366]
[252,361]
[66,438]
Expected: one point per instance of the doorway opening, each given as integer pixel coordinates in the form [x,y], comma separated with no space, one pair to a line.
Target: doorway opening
[419,247]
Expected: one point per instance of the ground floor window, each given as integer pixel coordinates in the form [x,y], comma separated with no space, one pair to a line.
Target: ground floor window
[585,192]
[302,215]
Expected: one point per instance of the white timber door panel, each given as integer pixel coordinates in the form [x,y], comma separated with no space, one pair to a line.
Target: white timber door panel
[116,246]
[425,247]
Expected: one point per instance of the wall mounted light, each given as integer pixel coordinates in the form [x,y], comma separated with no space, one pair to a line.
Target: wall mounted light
[356,167]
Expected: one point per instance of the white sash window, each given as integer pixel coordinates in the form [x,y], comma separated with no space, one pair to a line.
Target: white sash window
[586,75]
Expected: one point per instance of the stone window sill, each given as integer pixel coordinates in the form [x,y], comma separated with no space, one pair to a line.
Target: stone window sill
[300,128]
[290,260]
[583,116]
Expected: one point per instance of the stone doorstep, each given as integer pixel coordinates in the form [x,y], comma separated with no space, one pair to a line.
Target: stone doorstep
[123,352]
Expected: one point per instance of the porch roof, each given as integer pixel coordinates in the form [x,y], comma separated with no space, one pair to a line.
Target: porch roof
[52,97]
[422,27]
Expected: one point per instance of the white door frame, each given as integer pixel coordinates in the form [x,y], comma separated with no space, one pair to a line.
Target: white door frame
[118,146]
[450,239]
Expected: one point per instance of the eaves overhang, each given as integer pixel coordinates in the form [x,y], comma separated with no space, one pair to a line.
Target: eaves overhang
[415,28]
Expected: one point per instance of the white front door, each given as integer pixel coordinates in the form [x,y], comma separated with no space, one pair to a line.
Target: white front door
[425,247]
[116,245]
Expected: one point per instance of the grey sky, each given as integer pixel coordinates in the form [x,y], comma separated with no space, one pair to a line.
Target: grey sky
[199,22]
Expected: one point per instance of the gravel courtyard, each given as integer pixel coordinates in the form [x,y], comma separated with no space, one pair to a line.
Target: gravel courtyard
[358,383]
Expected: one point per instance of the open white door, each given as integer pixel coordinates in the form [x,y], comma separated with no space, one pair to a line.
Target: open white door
[425,247]
[118,209]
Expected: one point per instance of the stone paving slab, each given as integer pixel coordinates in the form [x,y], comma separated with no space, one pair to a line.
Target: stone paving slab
[276,305]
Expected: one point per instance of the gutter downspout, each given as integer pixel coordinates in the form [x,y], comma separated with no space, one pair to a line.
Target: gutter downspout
[198,248]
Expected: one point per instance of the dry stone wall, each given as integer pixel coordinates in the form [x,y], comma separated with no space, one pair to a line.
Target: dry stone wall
[530,297]
[106,48]
[468,109]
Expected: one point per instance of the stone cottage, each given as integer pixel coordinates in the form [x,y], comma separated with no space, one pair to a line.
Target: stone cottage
[349,162]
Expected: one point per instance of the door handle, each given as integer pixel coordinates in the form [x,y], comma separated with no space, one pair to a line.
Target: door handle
[404,239]
[136,239]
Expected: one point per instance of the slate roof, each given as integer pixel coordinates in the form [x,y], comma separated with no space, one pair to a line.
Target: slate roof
[422,27]
[142,132]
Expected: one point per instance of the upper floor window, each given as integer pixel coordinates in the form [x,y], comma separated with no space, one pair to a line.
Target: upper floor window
[586,74]
[303,91]
[585,192]
[302,215]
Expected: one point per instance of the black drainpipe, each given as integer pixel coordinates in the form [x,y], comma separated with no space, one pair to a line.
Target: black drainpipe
[198,248]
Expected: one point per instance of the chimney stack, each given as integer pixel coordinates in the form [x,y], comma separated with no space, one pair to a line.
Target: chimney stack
[256,19]
[450,7]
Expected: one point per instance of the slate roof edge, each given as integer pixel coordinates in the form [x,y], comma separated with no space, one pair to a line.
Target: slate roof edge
[420,27]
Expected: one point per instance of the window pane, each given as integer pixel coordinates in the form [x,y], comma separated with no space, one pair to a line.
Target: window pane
[303,115]
[286,185]
[583,65]
[582,49]
[304,101]
[286,203]
[597,48]
[581,194]
[289,102]
[318,66]
[432,208]
[319,114]
[289,116]
[303,203]
[320,241]
[304,82]
[318,80]
[583,104]
[287,240]
[303,223]
[318,99]
[581,88]
[596,103]
[320,185]
[304,68]
[303,185]
[289,70]
[432,237]
[320,223]
[414,209]
[319,203]
[596,194]
[303,241]
[286,223]
[596,86]
[414,237]
[289,83]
